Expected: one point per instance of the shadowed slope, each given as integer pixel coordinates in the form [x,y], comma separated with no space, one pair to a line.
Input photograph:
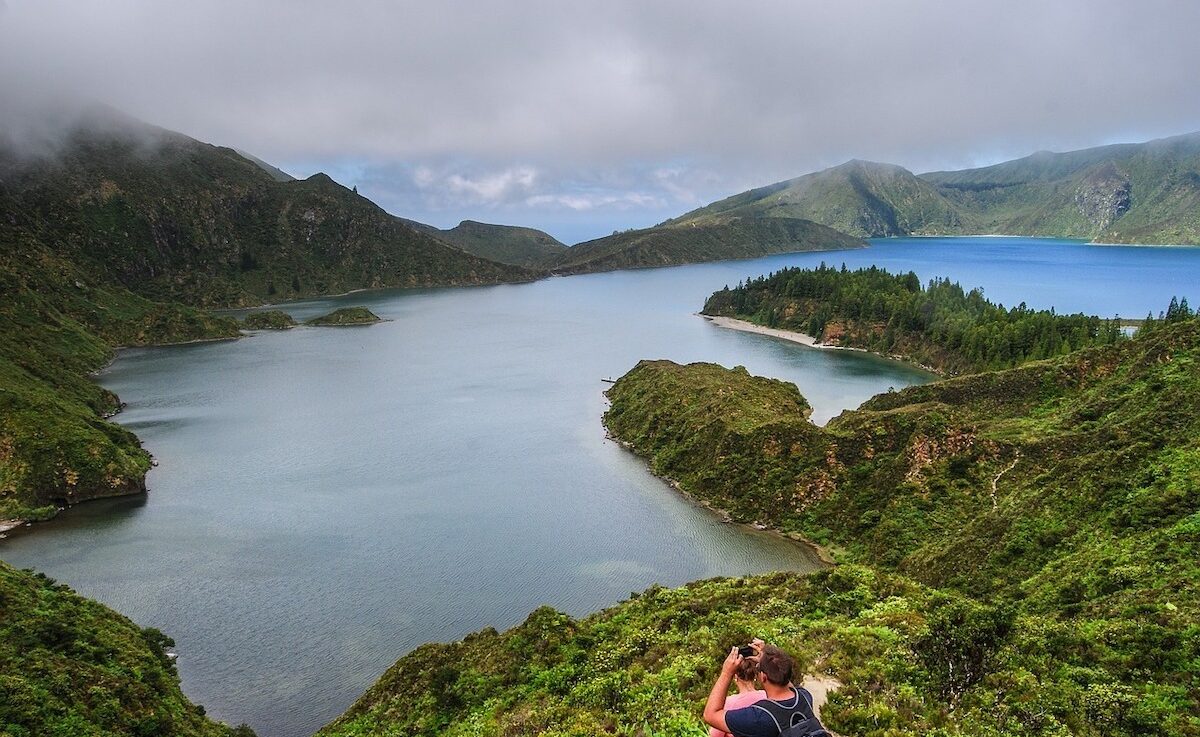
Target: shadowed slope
[169,217]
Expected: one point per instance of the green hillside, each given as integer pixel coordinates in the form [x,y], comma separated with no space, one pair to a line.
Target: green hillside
[906,481]
[1066,491]
[169,217]
[71,667]
[1127,193]
[862,198]
[718,240]
[58,323]
[644,667]
[508,244]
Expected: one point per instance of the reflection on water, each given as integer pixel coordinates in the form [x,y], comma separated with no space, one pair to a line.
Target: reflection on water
[328,499]
[94,519]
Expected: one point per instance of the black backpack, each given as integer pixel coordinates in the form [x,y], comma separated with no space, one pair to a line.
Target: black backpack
[794,721]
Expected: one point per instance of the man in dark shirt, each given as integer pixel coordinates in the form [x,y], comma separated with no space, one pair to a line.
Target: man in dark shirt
[761,719]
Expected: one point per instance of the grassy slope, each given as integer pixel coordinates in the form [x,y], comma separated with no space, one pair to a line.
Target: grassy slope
[1075,193]
[70,667]
[713,241]
[1128,193]
[645,666]
[1067,490]
[862,198]
[1103,440]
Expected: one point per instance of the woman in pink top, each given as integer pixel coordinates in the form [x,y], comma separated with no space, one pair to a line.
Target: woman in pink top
[747,694]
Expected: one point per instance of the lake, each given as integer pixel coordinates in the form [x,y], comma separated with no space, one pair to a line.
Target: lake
[327,499]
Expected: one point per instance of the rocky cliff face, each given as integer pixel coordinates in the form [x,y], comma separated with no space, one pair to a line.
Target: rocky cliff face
[1104,195]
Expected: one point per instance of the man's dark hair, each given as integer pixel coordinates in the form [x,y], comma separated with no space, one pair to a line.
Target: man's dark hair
[775,665]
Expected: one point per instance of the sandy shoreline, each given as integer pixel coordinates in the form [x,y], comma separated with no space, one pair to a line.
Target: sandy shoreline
[793,336]
[808,340]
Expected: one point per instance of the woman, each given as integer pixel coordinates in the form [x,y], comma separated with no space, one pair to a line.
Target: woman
[747,694]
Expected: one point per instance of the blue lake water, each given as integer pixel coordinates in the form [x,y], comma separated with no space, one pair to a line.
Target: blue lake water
[327,499]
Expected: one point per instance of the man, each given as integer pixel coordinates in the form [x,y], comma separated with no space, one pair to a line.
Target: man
[785,706]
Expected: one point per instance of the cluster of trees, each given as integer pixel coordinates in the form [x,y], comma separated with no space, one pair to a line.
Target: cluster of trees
[939,324]
[1177,311]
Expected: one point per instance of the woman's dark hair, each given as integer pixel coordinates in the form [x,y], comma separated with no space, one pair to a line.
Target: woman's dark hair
[775,665]
[747,669]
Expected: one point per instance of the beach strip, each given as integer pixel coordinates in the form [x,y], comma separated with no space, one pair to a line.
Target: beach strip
[793,336]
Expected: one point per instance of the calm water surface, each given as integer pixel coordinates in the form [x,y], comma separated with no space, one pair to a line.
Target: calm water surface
[327,499]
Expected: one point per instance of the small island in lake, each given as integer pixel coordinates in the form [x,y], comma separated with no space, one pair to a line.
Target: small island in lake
[268,320]
[346,316]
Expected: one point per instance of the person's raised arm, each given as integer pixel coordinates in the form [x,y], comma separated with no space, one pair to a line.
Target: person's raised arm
[714,710]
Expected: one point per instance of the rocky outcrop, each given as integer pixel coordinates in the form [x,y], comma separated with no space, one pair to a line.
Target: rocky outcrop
[1104,195]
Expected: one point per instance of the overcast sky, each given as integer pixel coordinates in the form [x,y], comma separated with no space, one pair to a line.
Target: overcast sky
[581,118]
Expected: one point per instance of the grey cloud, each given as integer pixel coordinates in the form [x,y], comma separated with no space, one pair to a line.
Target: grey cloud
[751,92]
[444,192]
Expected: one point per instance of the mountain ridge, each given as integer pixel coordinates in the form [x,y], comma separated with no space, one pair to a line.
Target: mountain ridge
[170,217]
[509,244]
[724,239]
[1120,193]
